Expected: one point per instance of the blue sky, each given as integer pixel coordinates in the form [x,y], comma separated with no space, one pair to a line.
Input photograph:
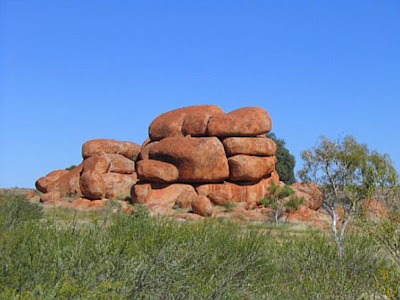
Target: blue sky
[71,71]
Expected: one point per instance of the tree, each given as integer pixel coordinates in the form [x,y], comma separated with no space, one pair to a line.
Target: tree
[285,160]
[281,198]
[347,172]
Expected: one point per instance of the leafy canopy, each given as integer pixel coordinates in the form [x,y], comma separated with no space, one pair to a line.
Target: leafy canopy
[285,160]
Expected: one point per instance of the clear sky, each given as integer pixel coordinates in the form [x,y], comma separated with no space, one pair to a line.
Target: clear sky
[71,71]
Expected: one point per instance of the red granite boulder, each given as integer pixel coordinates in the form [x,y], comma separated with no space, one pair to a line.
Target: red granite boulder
[191,120]
[92,185]
[157,171]
[250,168]
[255,146]
[197,159]
[100,146]
[246,121]
[42,183]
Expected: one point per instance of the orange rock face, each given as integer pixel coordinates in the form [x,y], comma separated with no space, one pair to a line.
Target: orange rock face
[197,159]
[92,185]
[107,146]
[118,186]
[375,209]
[250,168]
[255,146]
[67,185]
[233,192]
[42,183]
[202,206]
[121,164]
[157,171]
[96,163]
[50,197]
[191,120]
[311,193]
[165,194]
[246,121]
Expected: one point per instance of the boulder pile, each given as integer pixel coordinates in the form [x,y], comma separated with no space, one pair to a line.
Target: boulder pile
[107,171]
[200,156]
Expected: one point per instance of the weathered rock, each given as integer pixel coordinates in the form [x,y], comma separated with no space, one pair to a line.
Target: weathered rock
[165,194]
[157,171]
[42,183]
[108,146]
[246,121]
[374,209]
[92,185]
[250,168]
[235,192]
[311,193]
[96,163]
[191,120]
[197,159]
[185,199]
[144,152]
[255,146]
[68,184]
[118,186]
[50,197]
[202,206]
[121,164]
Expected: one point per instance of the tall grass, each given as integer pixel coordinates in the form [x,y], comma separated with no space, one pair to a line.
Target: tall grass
[139,257]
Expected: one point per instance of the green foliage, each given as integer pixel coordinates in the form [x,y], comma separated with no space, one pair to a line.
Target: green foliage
[70,167]
[346,170]
[16,209]
[285,161]
[135,256]
[294,203]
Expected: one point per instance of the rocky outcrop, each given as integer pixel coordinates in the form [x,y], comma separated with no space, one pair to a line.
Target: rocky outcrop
[107,171]
[200,156]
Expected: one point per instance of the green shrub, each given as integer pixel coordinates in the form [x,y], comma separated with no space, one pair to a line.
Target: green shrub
[15,209]
[139,257]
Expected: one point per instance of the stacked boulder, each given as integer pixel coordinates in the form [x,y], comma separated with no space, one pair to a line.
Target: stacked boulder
[200,156]
[107,171]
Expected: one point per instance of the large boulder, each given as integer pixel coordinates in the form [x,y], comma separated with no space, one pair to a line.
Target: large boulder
[165,194]
[96,163]
[42,183]
[191,120]
[118,186]
[255,146]
[92,185]
[121,164]
[147,145]
[246,121]
[202,206]
[197,159]
[100,146]
[311,193]
[222,193]
[68,184]
[157,171]
[250,168]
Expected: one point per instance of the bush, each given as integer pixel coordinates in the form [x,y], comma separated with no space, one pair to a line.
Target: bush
[285,161]
[15,209]
[139,257]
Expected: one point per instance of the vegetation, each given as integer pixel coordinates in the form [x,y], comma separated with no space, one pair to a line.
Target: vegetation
[70,167]
[281,198]
[286,161]
[133,256]
[347,172]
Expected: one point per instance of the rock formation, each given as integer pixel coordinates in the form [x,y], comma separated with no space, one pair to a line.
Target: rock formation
[107,171]
[199,155]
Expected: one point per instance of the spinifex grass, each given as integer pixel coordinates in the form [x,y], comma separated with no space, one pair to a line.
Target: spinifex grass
[138,257]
